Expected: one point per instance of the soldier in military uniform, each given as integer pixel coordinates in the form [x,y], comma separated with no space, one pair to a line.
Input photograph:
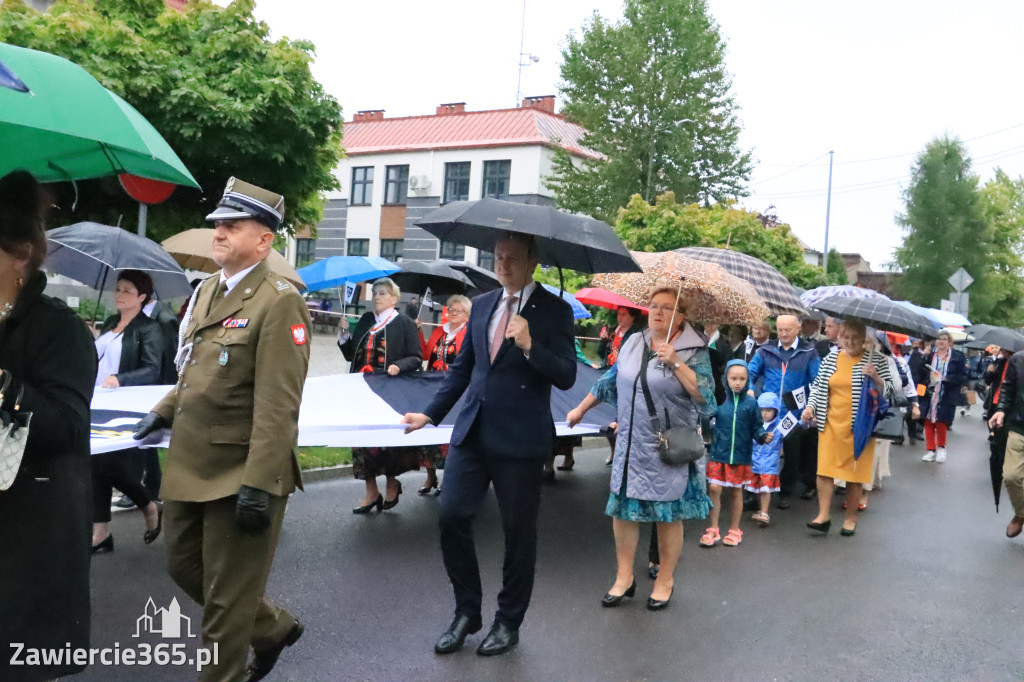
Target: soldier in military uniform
[242,361]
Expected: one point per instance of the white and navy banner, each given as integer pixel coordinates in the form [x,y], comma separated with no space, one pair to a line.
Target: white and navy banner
[342,410]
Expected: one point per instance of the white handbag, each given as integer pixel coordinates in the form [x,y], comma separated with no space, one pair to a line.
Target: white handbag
[13,436]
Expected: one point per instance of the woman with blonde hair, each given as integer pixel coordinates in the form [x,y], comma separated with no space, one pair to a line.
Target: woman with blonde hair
[834,403]
[643,488]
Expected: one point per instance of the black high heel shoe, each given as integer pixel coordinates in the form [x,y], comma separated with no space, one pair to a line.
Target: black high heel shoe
[107,545]
[425,490]
[658,604]
[388,504]
[822,527]
[378,503]
[611,600]
[150,535]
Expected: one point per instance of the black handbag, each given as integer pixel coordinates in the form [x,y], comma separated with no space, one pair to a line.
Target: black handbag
[677,446]
[890,427]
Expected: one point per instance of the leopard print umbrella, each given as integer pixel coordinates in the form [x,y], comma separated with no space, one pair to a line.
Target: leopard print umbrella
[712,295]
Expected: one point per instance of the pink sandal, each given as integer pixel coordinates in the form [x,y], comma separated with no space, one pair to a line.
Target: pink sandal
[710,537]
[733,538]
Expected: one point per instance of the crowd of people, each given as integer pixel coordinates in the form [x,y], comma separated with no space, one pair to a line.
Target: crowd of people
[710,423]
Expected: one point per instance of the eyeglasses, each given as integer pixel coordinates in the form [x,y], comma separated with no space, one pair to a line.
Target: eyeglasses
[460,311]
[664,308]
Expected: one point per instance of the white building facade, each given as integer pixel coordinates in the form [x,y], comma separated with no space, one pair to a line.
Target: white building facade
[398,170]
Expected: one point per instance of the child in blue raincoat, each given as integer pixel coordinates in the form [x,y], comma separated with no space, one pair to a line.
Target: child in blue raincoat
[737,426]
[767,459]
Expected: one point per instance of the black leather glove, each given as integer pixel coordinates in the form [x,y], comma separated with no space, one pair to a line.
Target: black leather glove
[148,424]
[253,510]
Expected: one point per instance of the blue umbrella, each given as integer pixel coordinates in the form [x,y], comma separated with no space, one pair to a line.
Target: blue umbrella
[337,270]
[873,406]
[578,311]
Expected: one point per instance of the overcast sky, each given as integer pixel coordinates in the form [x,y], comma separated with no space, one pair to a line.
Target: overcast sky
[873,81]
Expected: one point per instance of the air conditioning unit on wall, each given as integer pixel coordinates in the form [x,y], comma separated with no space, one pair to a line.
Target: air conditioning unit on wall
[419,182]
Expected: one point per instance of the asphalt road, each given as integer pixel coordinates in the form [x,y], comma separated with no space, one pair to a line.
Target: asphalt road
[928,589]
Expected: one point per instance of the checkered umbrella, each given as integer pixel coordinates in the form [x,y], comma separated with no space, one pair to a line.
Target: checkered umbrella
[811,297]
[712,295]
[880,313]
[771,284]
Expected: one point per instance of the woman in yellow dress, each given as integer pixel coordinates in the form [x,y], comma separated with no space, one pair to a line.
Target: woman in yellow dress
[833,404]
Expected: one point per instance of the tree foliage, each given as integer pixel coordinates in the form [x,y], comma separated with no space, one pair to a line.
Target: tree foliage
[228,99]
[946,229]
[1002,205]
[653,93]
[669,225]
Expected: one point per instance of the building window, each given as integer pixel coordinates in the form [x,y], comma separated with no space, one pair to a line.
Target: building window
[452,251]
[496,178]
[362,186]
[485,259]
[391,249]
[305,252]
[396,184]
[357,247]
[456,181]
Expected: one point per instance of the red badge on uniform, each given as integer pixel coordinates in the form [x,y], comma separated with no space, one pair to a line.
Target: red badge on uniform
[299,334]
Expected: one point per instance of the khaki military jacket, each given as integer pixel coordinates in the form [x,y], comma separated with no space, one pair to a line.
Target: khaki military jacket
[234,412]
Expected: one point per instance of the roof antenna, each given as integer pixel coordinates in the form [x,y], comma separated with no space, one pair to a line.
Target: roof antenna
[529,58]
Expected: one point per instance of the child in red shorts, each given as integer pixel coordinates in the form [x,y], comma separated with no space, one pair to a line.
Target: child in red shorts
[737,425]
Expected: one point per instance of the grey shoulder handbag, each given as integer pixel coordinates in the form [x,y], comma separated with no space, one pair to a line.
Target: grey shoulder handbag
[677,445]
[13,435]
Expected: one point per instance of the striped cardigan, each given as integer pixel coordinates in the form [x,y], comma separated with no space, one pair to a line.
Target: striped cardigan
[818,400]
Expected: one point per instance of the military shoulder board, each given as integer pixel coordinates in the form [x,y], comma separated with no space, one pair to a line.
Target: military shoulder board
[281,286]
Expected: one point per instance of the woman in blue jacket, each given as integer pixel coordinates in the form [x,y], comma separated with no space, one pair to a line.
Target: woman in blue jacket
[737,425]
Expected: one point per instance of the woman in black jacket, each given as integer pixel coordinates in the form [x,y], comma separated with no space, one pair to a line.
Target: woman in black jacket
[49,356]
[383,342]
[130,349]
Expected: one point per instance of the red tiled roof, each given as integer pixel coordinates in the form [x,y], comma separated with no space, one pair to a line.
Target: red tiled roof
[497,128]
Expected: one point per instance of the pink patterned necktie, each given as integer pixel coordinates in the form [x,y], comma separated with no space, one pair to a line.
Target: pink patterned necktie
[499,331]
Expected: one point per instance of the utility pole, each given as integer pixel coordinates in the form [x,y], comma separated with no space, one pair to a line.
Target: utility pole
[828,209]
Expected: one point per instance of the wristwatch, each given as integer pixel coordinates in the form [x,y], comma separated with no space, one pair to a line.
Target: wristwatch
[677,365]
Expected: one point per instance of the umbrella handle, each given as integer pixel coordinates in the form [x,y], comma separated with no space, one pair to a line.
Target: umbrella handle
[672,319]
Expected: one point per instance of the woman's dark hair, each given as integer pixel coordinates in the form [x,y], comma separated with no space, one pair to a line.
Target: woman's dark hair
[21,218]
[143,282]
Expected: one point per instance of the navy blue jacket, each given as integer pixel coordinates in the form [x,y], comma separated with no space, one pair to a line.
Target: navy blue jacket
[510,401]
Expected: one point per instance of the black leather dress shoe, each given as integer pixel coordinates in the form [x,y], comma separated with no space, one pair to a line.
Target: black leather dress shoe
[611,600]
[658,604]
[499,640]
[451,640]
[264,661]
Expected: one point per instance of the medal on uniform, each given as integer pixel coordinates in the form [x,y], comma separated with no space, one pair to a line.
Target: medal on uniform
[223,358]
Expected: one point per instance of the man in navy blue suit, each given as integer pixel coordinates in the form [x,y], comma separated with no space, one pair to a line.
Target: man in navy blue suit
[519,343]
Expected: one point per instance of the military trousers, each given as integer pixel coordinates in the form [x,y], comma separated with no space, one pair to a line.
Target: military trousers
[226,572]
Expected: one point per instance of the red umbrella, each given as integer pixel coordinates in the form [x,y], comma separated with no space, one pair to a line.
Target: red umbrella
[605,299]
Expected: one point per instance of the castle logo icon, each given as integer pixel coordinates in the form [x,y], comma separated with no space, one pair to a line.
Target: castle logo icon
[168,623]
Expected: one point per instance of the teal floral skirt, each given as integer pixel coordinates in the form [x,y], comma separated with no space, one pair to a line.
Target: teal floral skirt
[694,504]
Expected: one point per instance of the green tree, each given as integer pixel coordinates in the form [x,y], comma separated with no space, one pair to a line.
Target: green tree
[945,229]
[228,99]
[669,225]
[653,93]
[836,268]
[1002,204]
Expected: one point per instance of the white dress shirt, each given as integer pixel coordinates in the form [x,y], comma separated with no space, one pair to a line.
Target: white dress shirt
[234,279]
[499,310]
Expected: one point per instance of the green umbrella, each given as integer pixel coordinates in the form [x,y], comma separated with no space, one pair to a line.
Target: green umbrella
[69,127]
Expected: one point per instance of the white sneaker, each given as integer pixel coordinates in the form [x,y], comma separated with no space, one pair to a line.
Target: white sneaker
[929,456]
[940,455]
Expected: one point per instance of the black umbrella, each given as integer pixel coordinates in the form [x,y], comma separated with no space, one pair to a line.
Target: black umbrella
[442,280]
[93,254]
[562,239]
[1002,337]
[995,469]
[483,280]
[880,313]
